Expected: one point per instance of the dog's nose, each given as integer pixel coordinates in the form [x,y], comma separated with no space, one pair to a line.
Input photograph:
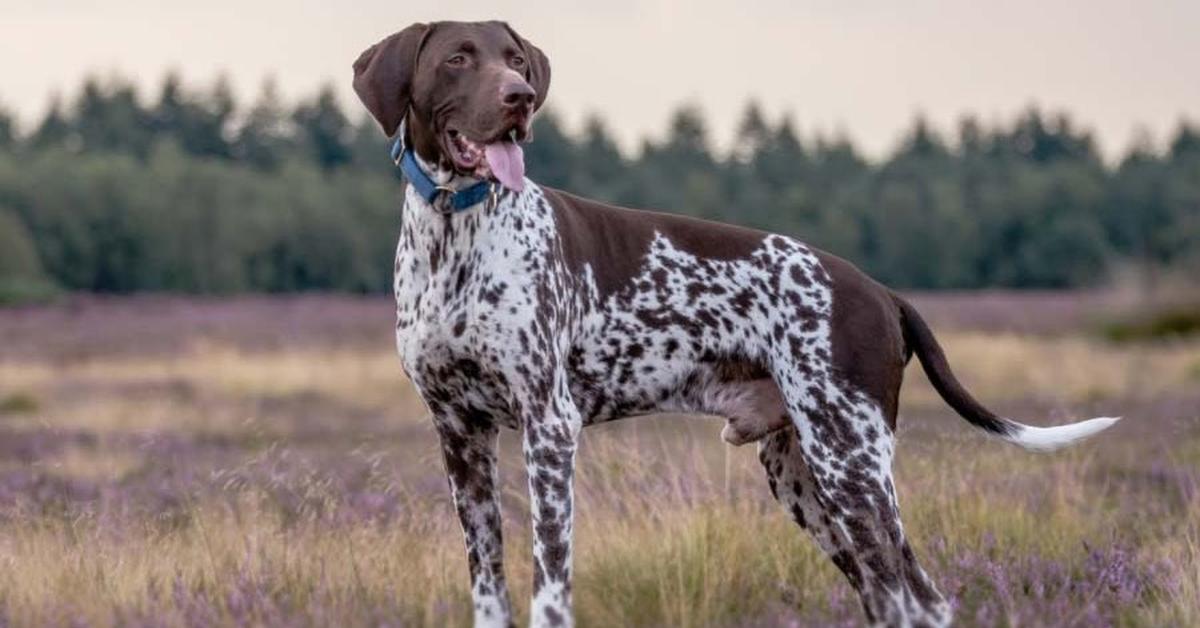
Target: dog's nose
[517,94]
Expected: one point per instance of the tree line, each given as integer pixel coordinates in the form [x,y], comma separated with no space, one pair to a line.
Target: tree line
[191,192]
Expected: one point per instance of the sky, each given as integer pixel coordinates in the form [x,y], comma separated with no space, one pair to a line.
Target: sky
[862,68]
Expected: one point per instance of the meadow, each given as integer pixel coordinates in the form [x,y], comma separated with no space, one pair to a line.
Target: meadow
[262,462]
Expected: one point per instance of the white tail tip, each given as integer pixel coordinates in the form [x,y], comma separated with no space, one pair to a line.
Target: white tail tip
[1051,438]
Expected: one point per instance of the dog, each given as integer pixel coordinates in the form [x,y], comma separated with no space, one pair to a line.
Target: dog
[524,307]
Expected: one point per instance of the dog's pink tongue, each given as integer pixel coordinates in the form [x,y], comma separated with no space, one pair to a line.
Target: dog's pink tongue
[507,161]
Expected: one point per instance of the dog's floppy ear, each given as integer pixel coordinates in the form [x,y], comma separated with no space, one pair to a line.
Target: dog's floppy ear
[537,67]
[383,75]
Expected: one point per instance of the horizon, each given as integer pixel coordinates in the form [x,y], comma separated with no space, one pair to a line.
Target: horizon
[865,72]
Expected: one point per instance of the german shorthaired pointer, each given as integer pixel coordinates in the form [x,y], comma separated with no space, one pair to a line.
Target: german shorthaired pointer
[525,307]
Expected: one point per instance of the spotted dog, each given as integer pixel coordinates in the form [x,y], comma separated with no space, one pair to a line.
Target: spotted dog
[524,307]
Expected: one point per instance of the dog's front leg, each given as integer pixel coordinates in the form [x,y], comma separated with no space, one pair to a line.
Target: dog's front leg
[550,440]
[469,450]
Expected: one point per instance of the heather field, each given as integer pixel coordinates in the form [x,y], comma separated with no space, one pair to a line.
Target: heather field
[262,462]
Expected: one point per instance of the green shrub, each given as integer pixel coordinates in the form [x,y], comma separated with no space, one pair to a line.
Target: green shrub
[1173,322]
[18,291]
[18,403]
[22,279]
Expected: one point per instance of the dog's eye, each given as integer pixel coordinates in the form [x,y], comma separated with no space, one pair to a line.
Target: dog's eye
[457,60]
[517,61]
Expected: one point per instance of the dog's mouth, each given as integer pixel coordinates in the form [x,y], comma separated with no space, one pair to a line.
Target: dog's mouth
[499,158]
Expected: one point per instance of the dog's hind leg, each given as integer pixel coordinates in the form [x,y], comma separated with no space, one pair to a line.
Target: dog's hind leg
[849,507]
[469,451]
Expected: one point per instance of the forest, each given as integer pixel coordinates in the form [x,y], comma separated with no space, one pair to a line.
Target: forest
[188,191]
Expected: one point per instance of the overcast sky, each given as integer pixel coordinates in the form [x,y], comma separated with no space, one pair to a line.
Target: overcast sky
[864,67]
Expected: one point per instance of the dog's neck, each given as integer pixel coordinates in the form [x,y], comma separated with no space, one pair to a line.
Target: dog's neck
[433,239]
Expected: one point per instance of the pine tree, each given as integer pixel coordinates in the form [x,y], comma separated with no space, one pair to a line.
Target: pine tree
[922,141]
[551,158]
[602,167]
[1185,142]
[264,137]
[782,159]
[108,117]
[324,129]
[54,129]
[685,160]
[687,137]
[753,134]
[169,112]
[199,123]
[7,134]
[206,121]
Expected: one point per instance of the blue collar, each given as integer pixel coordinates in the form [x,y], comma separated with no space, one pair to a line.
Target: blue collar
[457,200]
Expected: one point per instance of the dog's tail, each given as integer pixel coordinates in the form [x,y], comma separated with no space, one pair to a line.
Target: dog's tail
[919,338]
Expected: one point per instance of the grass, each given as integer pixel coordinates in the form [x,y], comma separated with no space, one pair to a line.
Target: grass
[298,484]
[673,556]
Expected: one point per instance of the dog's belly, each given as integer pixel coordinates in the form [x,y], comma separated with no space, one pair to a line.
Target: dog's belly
[740,392]
[608,385]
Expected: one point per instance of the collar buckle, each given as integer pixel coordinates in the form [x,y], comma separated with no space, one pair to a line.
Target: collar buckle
[444,199]
[493,196]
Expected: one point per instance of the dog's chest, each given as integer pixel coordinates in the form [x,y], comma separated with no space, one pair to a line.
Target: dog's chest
[466,288]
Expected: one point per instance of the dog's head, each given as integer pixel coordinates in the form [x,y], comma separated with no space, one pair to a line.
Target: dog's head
[468,89]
